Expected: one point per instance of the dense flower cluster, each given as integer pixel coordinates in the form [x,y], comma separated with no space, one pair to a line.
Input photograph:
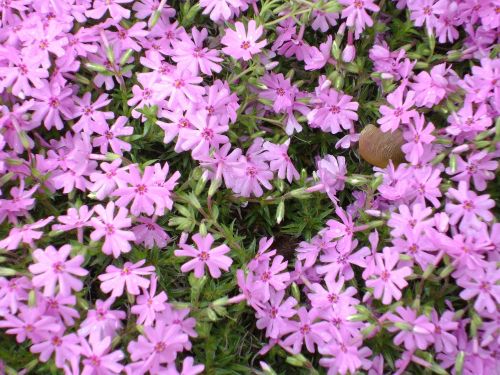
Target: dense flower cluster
[251,104]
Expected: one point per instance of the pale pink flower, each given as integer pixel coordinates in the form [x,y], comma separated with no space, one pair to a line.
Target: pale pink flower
[131,276]
[242,44]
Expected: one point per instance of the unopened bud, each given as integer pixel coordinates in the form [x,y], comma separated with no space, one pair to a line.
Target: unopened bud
[349,53]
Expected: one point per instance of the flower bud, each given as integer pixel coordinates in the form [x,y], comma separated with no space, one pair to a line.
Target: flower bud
[349,53]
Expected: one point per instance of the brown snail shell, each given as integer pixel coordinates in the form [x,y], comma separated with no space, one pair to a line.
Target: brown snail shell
[377,147]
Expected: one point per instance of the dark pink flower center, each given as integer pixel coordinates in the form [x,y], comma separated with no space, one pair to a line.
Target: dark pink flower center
[266,276]
[178,83]
[87,111]
[109,135]
[147,93]
[23,69]
[468,205]
[95,361]
[122,34]
[427,10]
[485,286]
[398,112]
[44,44]
[159,347]
[54,102]
[109,229]
[385,275]
[210,109]
[335,109]
[274,312]
[125,271]
[245,45]
[58,267]
[203,256]
[251,171]
[280,92]
[333,298]
[305,329]
[141,189]
[56,341]
[359,4]
[207,133]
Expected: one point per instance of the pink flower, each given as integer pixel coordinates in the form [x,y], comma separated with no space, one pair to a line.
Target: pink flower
[52,102]
[401,111]
[205,133]
[279,91]
[203,255]
[98,358]
[417,137]
[333,295]
[242,44]
[181,87]
[356,14]
[444,341]
[347,356]
[406,220]
[191,53]
[387,280]
[63,346]
[415,331]
[105,183]
[431,88]
[479,168]
[307,331]
[158,345]
[149,193]
[148,304]
[467,121]
[150,234]
[470,206]
[116,11]
[482,284]
[131,275]
[53,269]
[102,321]
[13,293]
[222,9]
[279,160]
[334,110]
[25,234]
[275,316]
[29,323]
[316,58]
[116,240]
[331,173]
[59,307]
[75,219]
[271,276]
[109,136]
[188,368]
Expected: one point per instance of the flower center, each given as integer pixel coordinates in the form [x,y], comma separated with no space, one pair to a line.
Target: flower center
[334,109]
[159,347]
[95,361]
[147,93]
[251,171]
[58,267]
[305,329]
[485,286]
[398,112]
[468,205]
[274,312]
[359,4]
[266,276]
[109,135]
[23,69]
[280,92]
[43,44]
[141,189]
[385,275]
[178,83]
[125,271]
[207,133]
[204,255]
[427,10]
[54,102]
[56,341]
[109,229]
[245,45]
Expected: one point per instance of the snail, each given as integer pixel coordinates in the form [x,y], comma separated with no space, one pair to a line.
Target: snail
[377,147]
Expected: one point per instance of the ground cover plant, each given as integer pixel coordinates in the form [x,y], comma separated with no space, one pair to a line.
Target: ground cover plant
[249,187]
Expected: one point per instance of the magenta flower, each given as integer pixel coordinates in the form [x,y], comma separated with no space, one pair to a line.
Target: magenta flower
[444,341]
[242,44]
[105,183]
[426,185]
[29,323]
[307,331]
[203,255]
[271,276]
[191,54]
[386,280]
[406,220]
[52,101]
[25,234]
[479,168]
[347,356]
[158,345]
[279,91]
[59,307]
[63,346]
[116,239]
[276,314]
[147,195]
[13,293]
[431,88]
[109,136]
[356,14]
[469,207]
[150,234]
[149,304]
[116,11]
[222,9]
[427,11]
[181,87]
[102,321]
[75,219]
[334,110]
[131,275]
[205,133]
[53,269]
[331,173]
[188,367]
[401,111]
[219,164]
[482,284]
[98,358]
[278,158]
[333,295]
[417,137]
[414,331]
